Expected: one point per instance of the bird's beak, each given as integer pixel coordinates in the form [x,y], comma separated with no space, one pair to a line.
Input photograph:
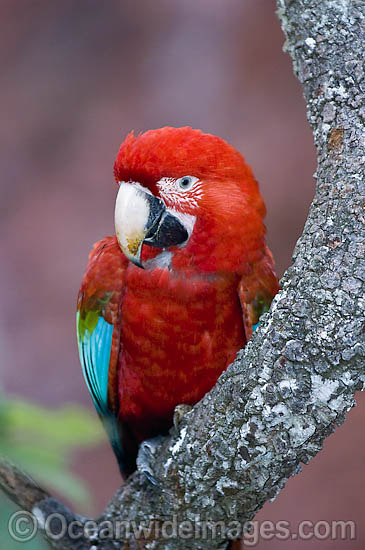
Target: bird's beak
[141,217]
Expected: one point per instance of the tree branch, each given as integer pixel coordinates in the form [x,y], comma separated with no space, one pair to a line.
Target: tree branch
[20,487]
[296,379]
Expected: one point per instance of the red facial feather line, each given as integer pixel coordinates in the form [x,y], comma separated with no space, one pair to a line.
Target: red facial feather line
[175,197]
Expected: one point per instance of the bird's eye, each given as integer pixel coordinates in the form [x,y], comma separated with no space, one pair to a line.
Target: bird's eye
[186,182]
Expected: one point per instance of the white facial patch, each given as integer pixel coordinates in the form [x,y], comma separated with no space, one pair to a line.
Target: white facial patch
[173,194]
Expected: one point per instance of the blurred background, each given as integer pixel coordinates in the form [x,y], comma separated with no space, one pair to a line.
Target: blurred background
[76,77]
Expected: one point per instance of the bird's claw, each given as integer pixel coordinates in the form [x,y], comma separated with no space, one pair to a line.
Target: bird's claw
[147,451]
[179,413]
[146,457]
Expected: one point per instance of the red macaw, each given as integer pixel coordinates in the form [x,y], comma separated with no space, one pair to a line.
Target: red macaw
[165,305]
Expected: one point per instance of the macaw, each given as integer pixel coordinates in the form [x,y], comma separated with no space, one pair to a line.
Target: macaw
[167,302]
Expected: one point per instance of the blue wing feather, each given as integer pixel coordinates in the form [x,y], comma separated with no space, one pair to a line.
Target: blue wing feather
[94,351]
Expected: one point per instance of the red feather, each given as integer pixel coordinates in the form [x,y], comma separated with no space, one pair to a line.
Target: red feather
[181,327]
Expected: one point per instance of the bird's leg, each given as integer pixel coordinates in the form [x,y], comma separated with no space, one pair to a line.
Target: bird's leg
[148,448]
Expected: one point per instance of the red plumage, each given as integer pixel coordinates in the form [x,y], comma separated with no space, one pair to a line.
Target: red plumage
[177,327]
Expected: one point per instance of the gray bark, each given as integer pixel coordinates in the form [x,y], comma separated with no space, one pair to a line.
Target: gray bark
[296,379]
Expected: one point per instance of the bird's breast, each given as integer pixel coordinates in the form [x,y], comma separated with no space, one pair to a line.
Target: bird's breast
[178,334]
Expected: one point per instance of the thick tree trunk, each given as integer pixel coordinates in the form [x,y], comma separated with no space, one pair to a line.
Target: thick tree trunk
[296,379]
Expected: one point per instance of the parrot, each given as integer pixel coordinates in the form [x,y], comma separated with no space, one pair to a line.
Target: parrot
[167,302]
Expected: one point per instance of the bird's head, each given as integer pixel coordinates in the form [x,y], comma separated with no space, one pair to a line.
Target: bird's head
[189,193]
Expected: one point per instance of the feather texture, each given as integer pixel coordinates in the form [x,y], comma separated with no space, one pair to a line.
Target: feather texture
[153,338]
[98,333]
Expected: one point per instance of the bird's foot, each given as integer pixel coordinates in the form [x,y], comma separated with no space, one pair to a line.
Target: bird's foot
[146,457]
[147,451]
[179,413]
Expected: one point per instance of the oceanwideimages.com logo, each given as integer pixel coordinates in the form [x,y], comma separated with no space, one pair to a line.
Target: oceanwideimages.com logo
[23,527]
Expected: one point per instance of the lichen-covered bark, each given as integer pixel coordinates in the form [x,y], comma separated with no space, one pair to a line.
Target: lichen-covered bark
[296,379]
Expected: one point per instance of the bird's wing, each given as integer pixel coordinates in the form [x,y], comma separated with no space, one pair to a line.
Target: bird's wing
[256,291]
[98,332]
